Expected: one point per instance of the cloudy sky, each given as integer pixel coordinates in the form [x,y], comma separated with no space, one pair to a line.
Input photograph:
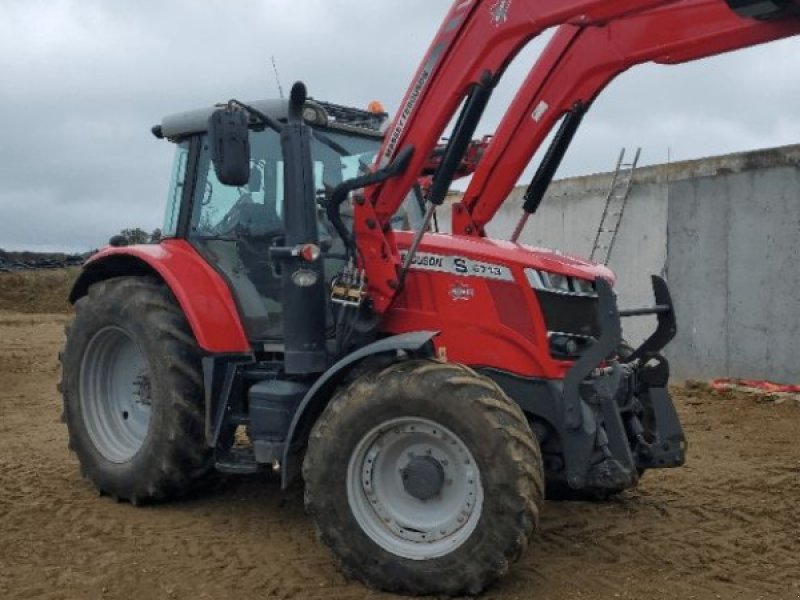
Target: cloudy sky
[82,82]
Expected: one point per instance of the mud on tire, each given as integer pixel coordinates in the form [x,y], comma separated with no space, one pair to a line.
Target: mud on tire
[133,392]
[480,416]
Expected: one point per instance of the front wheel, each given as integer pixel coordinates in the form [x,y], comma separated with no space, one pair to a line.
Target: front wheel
[424,478]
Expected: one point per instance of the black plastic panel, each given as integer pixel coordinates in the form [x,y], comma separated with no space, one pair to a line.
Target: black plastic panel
[765,9]
[228,133]
[569,314]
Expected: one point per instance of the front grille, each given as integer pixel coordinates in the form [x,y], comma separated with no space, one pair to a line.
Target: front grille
[570,314]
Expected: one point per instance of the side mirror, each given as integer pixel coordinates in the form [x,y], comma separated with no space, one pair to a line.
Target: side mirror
[229,136]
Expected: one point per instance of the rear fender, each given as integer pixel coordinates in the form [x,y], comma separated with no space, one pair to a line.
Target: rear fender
[200,291]
[417,343]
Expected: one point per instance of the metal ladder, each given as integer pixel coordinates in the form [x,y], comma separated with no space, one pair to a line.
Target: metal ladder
[614,208]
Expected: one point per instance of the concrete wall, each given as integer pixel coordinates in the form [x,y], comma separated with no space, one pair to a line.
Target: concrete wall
[738,233]
[725,231]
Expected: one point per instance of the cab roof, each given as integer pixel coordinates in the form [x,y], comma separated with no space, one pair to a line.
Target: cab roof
[322,114]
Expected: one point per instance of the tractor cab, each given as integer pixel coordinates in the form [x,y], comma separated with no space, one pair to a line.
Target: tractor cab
[235,228]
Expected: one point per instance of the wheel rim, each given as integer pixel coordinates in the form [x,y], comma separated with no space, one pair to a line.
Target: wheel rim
[115,394]
[414,488]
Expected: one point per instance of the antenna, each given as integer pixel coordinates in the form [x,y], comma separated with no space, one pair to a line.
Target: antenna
[277,77]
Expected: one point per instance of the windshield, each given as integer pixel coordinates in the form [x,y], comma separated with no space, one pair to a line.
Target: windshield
[219,209]
[338,156]
[226,212]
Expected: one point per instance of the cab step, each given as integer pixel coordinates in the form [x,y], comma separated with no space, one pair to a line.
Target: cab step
[237,462]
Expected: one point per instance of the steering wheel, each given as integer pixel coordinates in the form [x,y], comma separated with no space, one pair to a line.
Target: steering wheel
[232,219]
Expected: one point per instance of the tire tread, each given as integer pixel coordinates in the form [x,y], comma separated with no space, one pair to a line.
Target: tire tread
[521,495]
[185,461]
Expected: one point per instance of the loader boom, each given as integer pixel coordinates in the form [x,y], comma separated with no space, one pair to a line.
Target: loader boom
[575,67]
[596,40]
[476,42]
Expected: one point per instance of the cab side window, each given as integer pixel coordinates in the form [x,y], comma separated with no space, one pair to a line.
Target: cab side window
[223,211]
[176,187]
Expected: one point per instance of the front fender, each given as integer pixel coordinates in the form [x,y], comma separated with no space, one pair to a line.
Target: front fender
[313,403]
[201,292]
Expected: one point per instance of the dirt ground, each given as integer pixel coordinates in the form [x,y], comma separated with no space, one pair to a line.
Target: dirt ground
[724,526]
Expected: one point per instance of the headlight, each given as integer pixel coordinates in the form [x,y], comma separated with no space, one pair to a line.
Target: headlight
[315,116]
[582,286]
[563,345]
[559,284]
[567,347]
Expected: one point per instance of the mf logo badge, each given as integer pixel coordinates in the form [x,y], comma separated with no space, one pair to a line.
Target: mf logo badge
[462,291]
[499,12]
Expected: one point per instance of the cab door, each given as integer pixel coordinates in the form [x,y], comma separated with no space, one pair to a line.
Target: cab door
[235,227]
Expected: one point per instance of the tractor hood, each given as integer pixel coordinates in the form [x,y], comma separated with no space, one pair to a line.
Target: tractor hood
[507,254]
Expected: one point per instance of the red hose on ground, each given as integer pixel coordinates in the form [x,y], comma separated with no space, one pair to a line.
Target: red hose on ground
[766,386]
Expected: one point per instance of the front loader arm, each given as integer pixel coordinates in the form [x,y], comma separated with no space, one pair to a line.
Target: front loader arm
[578,63]
[476,42]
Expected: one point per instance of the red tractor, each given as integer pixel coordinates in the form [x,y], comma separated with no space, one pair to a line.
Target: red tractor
[427,387]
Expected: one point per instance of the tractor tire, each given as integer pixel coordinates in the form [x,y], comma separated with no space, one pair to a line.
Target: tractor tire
[132,387]
[424,478]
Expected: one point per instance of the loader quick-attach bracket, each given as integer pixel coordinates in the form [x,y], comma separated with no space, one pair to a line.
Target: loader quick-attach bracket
[612,416]
[638,427]
[667,326]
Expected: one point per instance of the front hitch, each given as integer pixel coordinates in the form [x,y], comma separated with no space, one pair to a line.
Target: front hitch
[593,407]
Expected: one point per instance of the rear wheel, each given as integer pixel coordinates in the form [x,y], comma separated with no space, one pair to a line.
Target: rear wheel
[424,478]
[133,392]
[116,394]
